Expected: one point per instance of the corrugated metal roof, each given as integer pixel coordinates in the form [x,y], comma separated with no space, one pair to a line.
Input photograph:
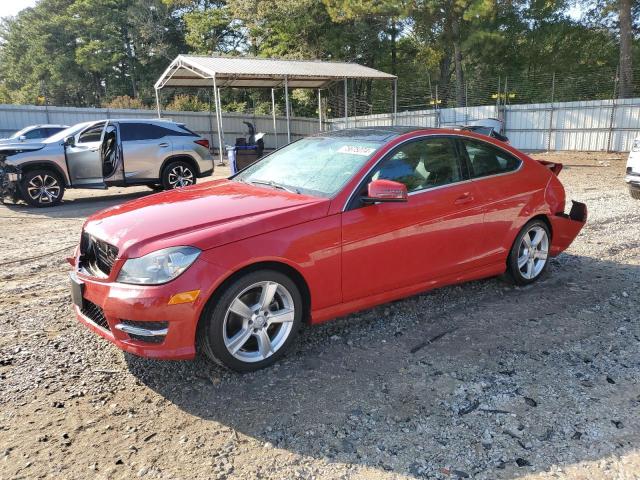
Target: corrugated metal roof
[252,72]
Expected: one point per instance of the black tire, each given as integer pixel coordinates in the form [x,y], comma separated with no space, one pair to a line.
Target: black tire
[181,169]
[518,252]
[212,329]
[634,192]
[52,188]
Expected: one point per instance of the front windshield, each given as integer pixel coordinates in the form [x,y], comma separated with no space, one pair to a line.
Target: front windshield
[61,135]
[318,166]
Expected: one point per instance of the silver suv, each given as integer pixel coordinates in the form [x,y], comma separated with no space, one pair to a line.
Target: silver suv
[157,153]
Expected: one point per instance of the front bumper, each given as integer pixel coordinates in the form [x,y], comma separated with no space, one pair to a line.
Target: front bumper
[633,180]
[8,183]
[139,319]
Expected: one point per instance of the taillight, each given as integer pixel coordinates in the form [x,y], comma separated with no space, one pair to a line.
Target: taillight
[203,142]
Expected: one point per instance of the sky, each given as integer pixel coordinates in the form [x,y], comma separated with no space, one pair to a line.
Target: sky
[11,7]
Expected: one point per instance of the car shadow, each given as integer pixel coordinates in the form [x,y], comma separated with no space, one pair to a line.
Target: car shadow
[76,207]
[480,379]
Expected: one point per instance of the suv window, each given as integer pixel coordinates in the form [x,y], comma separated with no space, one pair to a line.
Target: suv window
[422,164]
[143,131]
[35,133]
[488,160]
[52,131]
[92,134]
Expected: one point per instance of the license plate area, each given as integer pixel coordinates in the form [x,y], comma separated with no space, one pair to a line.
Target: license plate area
[77,291]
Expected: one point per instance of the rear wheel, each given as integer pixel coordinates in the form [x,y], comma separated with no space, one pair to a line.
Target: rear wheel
[529,254]
[42,188]
[253,322]
[178,174]
[635,192]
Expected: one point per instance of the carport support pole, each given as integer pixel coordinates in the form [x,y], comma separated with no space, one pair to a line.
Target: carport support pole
[320,109]
[158,102]
[220,113]
[215,100]
[395,101]
[346,106]
[273,112]
[286,103]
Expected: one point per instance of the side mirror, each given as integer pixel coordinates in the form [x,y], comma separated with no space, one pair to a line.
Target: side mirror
[385,191]
[22,138]
[70,141]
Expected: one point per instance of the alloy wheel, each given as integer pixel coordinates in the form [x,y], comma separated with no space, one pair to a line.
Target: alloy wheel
[533,252]
[258,321]
[180,176]
[43,188]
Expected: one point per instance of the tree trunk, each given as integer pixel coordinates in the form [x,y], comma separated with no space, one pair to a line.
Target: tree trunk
[394,47]
[626,38]
[457,55]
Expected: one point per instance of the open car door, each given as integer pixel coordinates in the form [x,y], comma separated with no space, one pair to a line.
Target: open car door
[111,156]
[82,153]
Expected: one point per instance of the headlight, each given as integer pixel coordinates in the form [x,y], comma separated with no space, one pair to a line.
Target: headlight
[636,146]
[158,267]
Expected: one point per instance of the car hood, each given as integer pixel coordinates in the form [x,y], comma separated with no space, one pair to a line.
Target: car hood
[17,147]
[204,216]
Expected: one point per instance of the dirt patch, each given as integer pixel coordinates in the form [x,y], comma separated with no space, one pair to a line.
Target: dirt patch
[482,380]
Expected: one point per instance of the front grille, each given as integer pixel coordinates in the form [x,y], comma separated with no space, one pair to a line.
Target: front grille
[144,338]
[96,256]
[94,313]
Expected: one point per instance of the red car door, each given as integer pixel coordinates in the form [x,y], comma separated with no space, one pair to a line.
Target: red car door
[502,192]
[435,233]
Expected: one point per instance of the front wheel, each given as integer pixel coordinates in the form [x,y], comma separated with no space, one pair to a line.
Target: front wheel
[529,254]
[178,174]
[634,192]
[42,188]
[253,322]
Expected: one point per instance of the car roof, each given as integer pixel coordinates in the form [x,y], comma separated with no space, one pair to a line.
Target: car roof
[373,134]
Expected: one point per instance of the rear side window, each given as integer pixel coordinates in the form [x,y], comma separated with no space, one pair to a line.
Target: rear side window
[130,132]
[53,131]
[182,130]
[487,160]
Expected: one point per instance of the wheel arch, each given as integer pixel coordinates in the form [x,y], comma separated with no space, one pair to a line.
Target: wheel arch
[180,157]
[279,266]
[45,165]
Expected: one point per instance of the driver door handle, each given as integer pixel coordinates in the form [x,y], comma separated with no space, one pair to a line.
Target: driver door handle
[464,198]
[163,145]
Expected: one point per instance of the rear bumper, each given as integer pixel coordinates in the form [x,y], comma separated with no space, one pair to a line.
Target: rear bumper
[566,227]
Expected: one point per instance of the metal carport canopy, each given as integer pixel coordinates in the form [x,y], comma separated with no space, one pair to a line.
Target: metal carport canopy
[252,72]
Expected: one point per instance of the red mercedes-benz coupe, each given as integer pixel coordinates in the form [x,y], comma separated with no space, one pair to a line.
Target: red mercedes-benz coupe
[325,226]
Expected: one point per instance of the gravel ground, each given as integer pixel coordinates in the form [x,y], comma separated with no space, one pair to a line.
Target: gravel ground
[482,380]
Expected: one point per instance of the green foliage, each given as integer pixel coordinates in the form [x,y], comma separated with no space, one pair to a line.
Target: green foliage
[187,103]
[125,102]
[110,52]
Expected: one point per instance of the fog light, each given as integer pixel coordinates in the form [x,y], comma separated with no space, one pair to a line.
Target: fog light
[184,297]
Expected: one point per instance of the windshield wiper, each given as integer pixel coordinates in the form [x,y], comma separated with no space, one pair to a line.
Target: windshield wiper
[272,184]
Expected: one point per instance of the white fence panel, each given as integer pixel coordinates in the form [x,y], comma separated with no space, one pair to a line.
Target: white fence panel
[599,125]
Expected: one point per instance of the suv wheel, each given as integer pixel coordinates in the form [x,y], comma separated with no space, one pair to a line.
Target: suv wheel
[634,192]
[42,188]
[178,174]
[253,322]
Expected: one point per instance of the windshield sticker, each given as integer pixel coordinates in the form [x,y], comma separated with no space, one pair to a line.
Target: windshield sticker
[356,150]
